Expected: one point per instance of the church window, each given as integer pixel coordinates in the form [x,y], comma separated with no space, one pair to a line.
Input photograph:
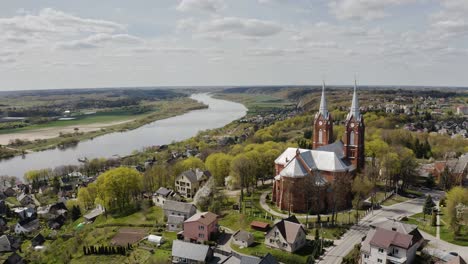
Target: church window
[351,138]
[320,136]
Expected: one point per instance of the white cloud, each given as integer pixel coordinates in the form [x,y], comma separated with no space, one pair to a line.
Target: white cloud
[273,52]
[452,19]
[362,9]
[211,6]
[98,40]
[221,27]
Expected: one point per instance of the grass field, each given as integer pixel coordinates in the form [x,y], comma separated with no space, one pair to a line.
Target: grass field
[395,199]
[423,224]
[256,103]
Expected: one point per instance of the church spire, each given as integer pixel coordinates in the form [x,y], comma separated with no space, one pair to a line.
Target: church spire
[355,104]
[323,103]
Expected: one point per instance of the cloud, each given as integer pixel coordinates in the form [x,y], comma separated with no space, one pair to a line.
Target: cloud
[272,52]
[362,9]
[51,21]
[211,6]
[451,20]
[222,27]
[98,40]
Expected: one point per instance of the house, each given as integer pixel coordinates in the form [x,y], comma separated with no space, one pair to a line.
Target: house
[189,182]
[9,192]
[25,199]
[3,224]
[26,226]
[387,246]
[242,238]
[288,235]
[14,259]
[179,208]
[163,194]
[3,208]
[184,252]
[52,210]
[8,243]
[25,212]
[175,222]
[243,259]
[56,223]
[38,240]
[91,216]
[200,227]
[401,227]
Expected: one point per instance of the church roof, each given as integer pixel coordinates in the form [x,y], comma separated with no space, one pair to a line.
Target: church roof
[323,103]
[354,112]
[326,158]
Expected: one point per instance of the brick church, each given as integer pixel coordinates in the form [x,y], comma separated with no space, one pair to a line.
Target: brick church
[304,176]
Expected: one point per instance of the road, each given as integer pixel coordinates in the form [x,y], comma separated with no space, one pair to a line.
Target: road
[357,232]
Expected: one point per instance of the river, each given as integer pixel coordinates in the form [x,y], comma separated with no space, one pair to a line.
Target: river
[177,128]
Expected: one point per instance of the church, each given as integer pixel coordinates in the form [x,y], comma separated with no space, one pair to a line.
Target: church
[304,176]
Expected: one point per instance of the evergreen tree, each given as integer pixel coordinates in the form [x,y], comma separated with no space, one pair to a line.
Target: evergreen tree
[434,218]
[428,205]
[76,212]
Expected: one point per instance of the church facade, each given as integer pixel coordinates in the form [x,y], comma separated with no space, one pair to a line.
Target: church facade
[304,176]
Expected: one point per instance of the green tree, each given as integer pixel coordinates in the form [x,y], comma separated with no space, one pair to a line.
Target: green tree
[243,169]
[219,164]
[361,189]
[193,163]
[428,205]
[457,195]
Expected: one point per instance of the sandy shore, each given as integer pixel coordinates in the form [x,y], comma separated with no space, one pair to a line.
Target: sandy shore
[46,133]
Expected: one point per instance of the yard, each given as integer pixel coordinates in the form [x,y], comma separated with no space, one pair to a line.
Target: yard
[423,224]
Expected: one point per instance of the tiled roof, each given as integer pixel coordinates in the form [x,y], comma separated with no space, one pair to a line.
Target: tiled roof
[243,235]
[205,218]
[190,251]
[385,238]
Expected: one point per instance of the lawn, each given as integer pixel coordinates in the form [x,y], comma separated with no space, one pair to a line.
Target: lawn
[150,217]
[448,235]
[395,199]
[423,224]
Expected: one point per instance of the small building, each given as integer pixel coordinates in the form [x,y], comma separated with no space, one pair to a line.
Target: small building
[288,235]
[175,222]
[260,226]
[189,182]
[38,240]
[14,259]
[52,210]
[184,252]
[179,208]
[242,238]
[91,216]
[8,243]
[158,240]
[200,227]
[243,259]
[26,226]
[25,212]
[9,192]
[25,199]
[163,194]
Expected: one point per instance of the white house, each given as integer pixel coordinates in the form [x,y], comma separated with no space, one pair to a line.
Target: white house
[163,194]
[189,182]
[26,227]
[288,235]
[390,242]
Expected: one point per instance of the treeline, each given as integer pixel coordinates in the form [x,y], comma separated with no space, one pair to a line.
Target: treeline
[106,250]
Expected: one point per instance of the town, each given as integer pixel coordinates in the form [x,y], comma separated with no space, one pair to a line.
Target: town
[250,192]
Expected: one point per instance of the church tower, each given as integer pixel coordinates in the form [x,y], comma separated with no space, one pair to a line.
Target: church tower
[323,124]
[354,134]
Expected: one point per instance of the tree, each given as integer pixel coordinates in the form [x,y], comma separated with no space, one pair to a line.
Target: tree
[456,196]
[118,187]
[361,189]
[434,218]
[430,181]
[219,164]
[428,205]
[193,163]
[243,169]
[76,212]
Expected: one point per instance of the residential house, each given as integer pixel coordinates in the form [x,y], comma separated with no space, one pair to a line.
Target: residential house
[189,182]
[391,242]
[52,210]
[9,192]
[177,213]
[163,194]
[14,259]
[3,208]
[200,227]
[242,238]
[93,214]
[25,212]
[8,243]
[184,252]
[243,259]
[460,169]
[38,240]
[26,226]
[57,222]
[3,224]
[25,199]
[287,234]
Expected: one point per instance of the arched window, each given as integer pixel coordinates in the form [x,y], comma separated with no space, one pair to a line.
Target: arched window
[320,136]
[351,138]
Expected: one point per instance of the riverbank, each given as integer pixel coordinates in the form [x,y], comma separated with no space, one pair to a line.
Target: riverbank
[54,136]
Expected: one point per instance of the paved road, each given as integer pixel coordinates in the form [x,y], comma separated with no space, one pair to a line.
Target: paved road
[357,232]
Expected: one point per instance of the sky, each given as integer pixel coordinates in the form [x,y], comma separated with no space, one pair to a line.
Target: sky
[116,43]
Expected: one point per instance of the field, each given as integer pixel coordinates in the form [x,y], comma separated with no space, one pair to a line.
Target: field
[128,236]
